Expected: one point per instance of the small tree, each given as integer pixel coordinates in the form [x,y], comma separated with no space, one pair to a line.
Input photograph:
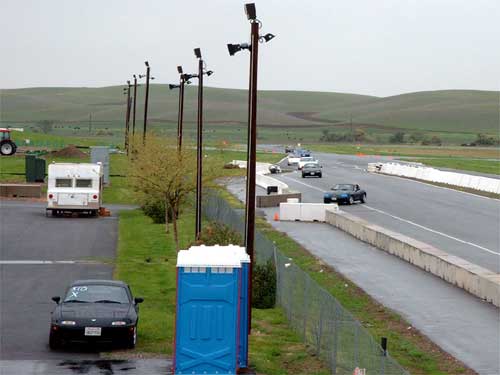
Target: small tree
[45,125]
[398,137]
[158,171]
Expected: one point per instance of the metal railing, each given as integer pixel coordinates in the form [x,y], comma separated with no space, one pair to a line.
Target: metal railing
[329,329]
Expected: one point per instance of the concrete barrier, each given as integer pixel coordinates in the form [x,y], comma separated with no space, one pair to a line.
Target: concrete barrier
[476,280]
[482,183]
[21,190]
[305,211]
[274,200]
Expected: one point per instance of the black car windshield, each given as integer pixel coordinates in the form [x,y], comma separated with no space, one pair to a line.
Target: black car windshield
[311,165]
[343,187]
[97,293]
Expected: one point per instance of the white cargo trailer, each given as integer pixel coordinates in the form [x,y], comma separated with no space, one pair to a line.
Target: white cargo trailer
[74,187]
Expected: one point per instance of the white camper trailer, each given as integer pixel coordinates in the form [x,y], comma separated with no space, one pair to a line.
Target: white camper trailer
[74,187]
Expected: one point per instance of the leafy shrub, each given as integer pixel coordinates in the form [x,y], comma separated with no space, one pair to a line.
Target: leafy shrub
[264,286]
[219,234]
[434,141]
[155,209]
[398,137]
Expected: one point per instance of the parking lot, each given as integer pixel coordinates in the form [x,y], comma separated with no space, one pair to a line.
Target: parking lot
[39,257]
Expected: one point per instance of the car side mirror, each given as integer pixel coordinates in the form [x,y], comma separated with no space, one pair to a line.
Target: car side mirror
[138,300]
[56,299]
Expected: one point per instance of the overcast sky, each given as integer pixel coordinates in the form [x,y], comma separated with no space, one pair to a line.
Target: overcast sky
[382,47]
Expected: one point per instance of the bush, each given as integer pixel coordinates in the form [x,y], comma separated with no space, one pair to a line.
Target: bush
[264,286]
[398,137]
[219,234]
[434,141]
[155,209]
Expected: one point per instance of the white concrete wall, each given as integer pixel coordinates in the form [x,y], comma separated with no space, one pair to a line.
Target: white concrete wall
[476,280]
[482,183]
[306,211]
[261,170]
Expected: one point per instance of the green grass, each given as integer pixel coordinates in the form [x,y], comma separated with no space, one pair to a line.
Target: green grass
[412,350]
[146,261]
[475,165]
[286,116]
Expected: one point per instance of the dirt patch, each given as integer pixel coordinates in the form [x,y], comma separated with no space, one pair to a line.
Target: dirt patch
[68,152]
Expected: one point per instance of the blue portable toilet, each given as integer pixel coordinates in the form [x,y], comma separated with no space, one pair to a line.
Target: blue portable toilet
[243,330]
[207,311]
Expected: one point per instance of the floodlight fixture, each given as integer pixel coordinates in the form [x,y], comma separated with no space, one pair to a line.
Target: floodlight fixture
[179,69]
[151,77]
[197,53]
[267,37]
[209,73]
[128,82]
[147,63]
[233,48]
[142,75]
[172,86]
[250,11]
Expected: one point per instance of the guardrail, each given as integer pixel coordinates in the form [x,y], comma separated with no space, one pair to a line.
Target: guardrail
[491,185]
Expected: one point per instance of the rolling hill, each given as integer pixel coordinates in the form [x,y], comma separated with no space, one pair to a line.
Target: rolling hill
[465,112]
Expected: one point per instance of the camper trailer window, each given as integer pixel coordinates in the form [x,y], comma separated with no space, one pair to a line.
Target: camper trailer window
[83,183]
[63,182]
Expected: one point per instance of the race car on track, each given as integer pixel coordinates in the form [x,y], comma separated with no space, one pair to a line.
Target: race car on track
[95,311]
[345,193]
[311,169]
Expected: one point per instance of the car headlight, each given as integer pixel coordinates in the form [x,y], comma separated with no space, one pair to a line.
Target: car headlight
[119,323]
[68,322]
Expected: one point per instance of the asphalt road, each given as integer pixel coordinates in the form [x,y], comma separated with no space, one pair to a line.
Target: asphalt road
[461,224]
[39,257]
[460,323]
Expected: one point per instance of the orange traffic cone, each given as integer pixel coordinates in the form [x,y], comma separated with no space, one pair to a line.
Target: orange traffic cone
[276,216]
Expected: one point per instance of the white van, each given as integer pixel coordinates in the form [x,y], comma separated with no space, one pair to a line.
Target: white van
[74,187]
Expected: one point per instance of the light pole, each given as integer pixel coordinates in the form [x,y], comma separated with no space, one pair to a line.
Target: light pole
[127,114]
[135,102]
[148,77]
[184,78]
[199,143]
[253,47]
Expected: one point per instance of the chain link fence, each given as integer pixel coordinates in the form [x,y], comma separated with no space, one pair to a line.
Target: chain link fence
[329,329]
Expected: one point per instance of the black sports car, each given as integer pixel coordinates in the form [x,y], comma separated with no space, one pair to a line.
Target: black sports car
[345,193]
[95,311]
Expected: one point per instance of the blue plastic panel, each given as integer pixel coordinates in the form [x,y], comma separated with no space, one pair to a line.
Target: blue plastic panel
[207,321]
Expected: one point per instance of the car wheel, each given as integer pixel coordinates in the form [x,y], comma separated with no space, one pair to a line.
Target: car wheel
[303,175]
[132,340]
[351,200]
[320,175]
[54,341]
[363,198]
[327,200]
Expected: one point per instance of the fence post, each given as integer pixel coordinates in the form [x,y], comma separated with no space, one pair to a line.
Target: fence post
[356,344]
[383,344]
[335,324]
[305,306]
[320,324]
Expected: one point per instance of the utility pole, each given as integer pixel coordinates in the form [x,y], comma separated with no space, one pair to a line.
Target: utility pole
[253,47]
[135,102]
[148,77]
[127,115]
[181,108]
[199,142]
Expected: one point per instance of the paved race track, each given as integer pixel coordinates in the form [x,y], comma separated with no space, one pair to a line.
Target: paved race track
[461,224]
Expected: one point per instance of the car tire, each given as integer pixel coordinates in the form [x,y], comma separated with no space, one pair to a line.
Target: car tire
[327,201]
[363,198]
[351,200]
[132,341]
[54,341]
[303,175]
[320,175]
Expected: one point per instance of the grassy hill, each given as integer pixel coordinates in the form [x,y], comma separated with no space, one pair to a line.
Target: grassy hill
[454,115]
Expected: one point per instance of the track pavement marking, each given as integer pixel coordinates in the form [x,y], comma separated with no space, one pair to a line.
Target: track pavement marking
[408,221]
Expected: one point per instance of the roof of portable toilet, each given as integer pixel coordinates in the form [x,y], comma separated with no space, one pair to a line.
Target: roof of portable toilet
[238,251]
[205,256]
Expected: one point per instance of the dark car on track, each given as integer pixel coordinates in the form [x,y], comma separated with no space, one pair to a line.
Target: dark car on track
[345,193]
[95,311]
[311,169]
